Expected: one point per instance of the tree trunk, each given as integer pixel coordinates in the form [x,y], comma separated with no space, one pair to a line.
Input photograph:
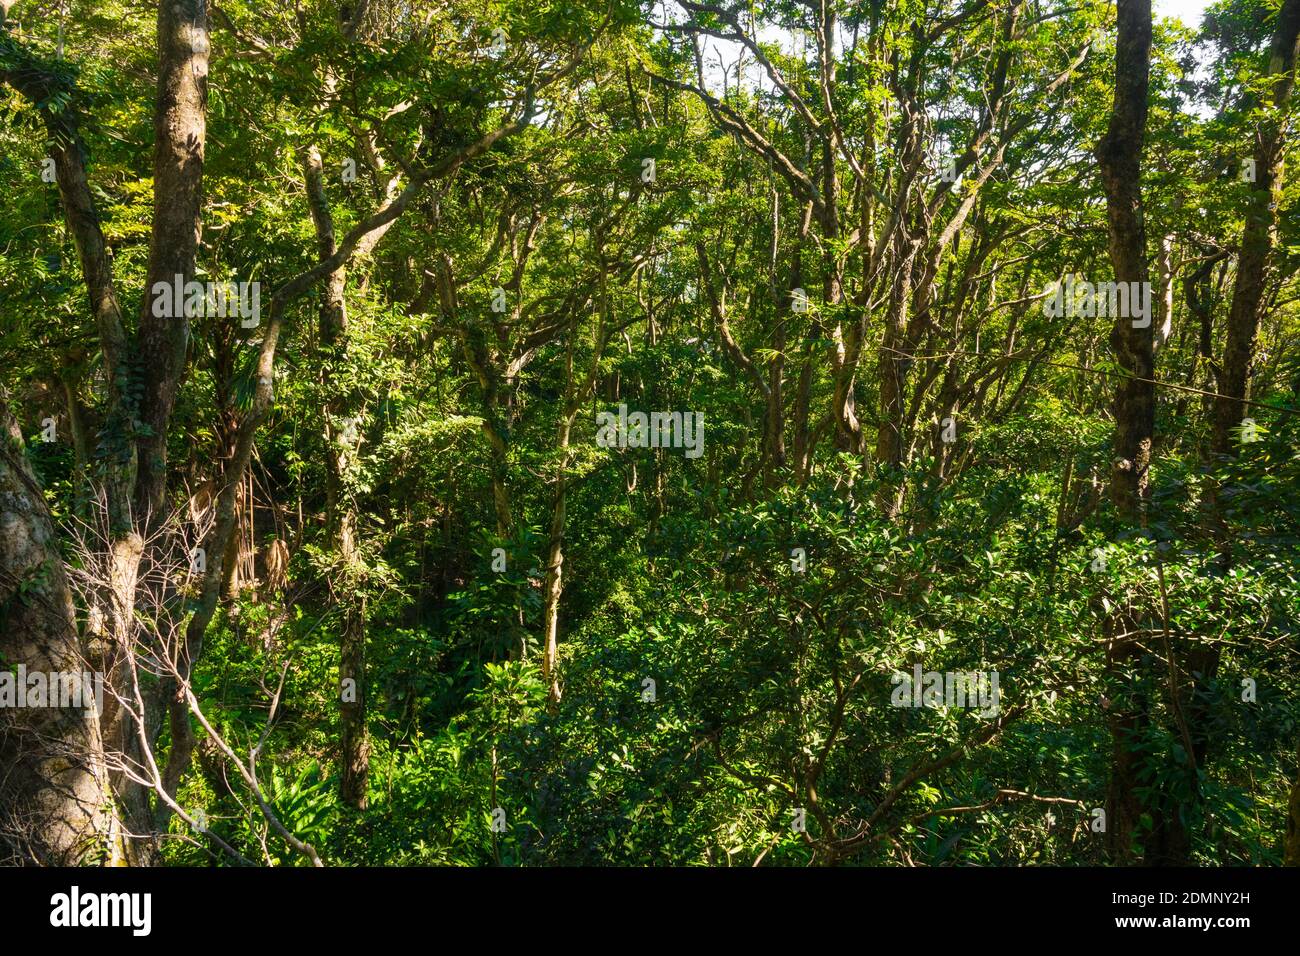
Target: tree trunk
[340,448]
[554,586]
[1119,156]
[1230,408]
[55,802]
[135,465]
[180,136]
[1257,235]
[891,372]
[1291,842]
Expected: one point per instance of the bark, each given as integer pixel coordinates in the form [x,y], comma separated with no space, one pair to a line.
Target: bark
[553,589]
[1257,237]
[1257,242]
[341,512]
[1163,301]
[774,420]
[575,397]
[800,432]
[890,370]
[56,808]
[1291,840]
[1119,156]
[361,238]
[180,137]
[135,432]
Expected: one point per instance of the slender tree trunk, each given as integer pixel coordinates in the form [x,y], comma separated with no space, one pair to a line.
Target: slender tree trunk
[575,396]
[1230,408]
[1119,156]
[774,418]
[554,585]
[180,137]
[1257,236]
[1291,839]
[341,423]
[801,432]
[891,372]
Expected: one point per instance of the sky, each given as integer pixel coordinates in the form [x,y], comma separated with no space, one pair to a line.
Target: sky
[1189,11]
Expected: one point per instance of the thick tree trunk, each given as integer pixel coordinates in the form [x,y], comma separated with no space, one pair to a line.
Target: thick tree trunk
[180,138]
[56,808]
[135,472]
[501,484]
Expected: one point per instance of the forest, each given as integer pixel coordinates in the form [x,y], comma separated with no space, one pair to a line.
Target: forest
[539,433]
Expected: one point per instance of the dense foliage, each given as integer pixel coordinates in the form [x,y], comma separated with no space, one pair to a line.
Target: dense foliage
[838,253]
